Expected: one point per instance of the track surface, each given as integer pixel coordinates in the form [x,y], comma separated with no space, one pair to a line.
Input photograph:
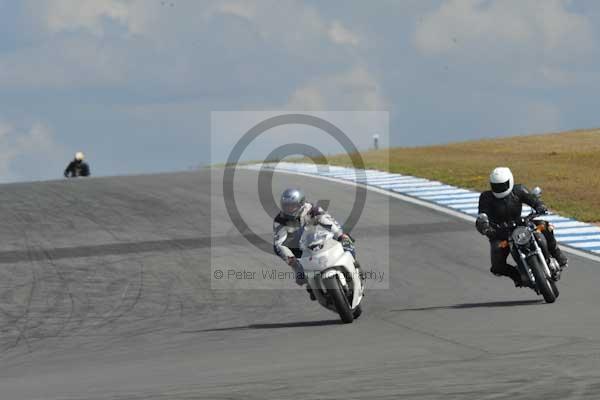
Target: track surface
[105,293]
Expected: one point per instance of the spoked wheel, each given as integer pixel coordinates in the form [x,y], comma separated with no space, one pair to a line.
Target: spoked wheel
[340,301]
[554,289]
[542,282]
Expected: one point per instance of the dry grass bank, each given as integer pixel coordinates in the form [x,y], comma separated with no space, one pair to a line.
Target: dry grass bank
[566,165]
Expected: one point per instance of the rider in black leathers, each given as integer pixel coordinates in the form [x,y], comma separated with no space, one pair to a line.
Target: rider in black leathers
[506,207]
[78,167]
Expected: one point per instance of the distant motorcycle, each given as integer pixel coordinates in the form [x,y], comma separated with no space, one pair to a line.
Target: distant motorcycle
[330,273]
[539,270]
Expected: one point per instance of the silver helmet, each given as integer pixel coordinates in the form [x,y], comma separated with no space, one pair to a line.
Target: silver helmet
[292,201]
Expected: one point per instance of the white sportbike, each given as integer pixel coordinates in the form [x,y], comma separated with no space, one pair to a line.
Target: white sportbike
[330,273]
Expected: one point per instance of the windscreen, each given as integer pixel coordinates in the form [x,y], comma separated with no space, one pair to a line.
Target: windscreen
[314,237]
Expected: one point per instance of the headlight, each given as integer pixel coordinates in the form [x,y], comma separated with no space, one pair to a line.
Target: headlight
[315,246]
[521,236]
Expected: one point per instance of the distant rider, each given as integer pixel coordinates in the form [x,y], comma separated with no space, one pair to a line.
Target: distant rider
[503,204]
[78,167]
[296,213]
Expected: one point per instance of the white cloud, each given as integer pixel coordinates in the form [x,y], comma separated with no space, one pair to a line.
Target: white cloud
[67,15]
[341,35]
[307,98]
[355,89]
[245,9]
[174,45]
[291,22]
[29,154]
[465,22]
[68,62]
[528,40]
[546,24]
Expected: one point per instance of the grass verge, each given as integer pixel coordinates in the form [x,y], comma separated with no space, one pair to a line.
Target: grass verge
[565,165]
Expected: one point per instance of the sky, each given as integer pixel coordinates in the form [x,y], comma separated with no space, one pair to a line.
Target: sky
[132,83]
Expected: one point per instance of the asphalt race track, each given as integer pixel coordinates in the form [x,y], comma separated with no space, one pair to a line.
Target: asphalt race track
[105,293]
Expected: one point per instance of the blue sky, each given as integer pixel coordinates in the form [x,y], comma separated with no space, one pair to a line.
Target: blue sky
[132,82]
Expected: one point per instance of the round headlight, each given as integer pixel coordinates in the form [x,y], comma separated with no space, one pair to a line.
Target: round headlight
[521,236]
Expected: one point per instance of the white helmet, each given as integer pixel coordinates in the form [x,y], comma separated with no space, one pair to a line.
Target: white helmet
[79,156]
[502,182]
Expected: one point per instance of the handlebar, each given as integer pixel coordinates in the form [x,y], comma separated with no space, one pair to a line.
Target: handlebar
[522,221]
[532,216]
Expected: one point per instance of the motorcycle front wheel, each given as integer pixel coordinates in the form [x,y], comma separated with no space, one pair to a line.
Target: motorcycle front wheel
[342,306]
[554,289]
[541,280]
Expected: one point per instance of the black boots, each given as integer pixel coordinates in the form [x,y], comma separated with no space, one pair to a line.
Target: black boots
[511,272]
[561,258]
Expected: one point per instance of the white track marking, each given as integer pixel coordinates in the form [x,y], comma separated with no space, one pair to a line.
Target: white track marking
[439,192]
[576,238]
[474,201]
[408,186]
[569,224]
[590,229]
[462,206]
[418,189]
[586,244]
[456,196]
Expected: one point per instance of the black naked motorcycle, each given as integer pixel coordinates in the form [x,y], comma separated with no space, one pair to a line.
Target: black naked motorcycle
[539,270]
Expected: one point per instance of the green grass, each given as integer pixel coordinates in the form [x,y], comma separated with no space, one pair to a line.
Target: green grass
[566,165]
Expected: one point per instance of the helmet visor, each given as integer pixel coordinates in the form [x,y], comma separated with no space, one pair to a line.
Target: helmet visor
[500,187]
[290,208]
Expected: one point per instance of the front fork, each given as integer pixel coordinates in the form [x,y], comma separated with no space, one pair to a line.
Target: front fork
[524,269]
[542,257]
[521,259]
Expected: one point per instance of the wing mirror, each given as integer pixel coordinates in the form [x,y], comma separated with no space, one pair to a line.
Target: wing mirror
[537,191]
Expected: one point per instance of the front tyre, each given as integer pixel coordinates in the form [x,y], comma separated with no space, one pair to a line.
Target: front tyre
[541,280]
[554,289]
[342,306]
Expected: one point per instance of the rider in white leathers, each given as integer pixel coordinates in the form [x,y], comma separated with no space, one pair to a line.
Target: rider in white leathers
[287,229]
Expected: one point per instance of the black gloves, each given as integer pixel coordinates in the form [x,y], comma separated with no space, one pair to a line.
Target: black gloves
[541,209]
[489,232]
[483,226]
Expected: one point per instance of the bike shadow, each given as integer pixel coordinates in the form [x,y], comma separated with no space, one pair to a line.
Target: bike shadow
[280,325]
[490,304]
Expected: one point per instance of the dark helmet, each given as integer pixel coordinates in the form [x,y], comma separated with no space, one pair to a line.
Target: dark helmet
[292,201]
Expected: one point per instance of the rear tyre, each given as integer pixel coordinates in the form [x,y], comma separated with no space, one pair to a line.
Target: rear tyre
[342,306]
[357,312]
[541,281]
